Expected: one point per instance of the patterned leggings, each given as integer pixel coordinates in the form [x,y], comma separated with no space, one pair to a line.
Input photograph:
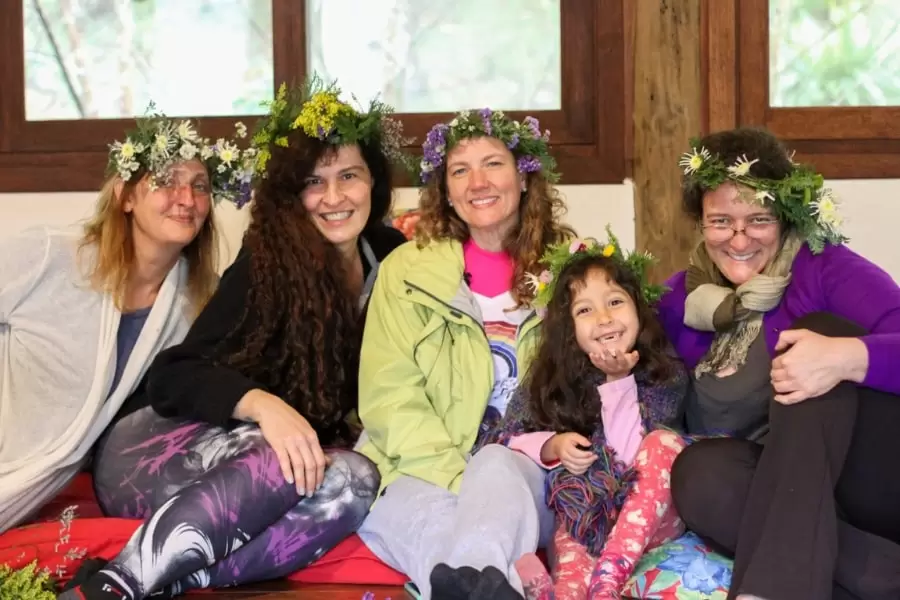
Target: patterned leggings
[647,519]
[217,509]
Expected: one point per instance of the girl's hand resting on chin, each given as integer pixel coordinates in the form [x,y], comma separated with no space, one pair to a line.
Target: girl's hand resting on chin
[615,363]
[564,447]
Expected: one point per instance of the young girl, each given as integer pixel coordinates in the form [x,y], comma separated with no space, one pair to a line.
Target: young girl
[594,410]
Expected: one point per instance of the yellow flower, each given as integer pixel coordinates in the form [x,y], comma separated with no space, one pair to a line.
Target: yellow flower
[609,250]
[692,161]
[541,286]
[127,150]
[261,159]
[826,209]
[281,141]
[741,167]
[318,115]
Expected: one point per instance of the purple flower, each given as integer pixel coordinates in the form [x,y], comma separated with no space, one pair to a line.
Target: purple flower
[528,164]
[534,126]
[486,119]
[321,132]
[513,142]
[433,149]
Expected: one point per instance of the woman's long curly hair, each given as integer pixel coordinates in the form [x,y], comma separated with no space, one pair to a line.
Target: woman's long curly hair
[300,330]
[562,382]
[539,225]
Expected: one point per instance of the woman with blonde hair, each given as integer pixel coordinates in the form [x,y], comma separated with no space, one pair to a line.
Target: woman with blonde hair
[449,331]
[82,313]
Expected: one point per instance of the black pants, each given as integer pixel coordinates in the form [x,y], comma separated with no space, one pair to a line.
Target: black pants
[814,513]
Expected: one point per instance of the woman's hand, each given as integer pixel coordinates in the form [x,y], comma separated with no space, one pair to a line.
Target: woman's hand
[564,447]
[615,363]
[813,364]
[290,435]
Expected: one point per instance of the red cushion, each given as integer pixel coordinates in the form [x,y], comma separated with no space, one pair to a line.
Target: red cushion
[60,546]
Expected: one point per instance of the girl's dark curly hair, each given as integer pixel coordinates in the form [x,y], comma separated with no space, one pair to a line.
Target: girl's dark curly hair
[299,331]
[562,382]
[752,142]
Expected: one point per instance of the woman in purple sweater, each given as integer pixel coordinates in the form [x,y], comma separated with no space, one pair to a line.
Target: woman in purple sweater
[791,339]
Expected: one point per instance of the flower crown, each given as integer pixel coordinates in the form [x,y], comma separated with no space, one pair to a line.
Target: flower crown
[317,110]
[800,199]
[524,139]
[159,142]
[558,257]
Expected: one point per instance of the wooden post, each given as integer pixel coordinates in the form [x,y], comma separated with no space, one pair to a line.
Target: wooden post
[667,113]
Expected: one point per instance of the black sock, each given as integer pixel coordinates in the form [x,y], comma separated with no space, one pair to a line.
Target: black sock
[448,583]
[92,582]
[493,585]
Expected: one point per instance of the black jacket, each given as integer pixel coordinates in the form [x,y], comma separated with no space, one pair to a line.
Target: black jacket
[187,381]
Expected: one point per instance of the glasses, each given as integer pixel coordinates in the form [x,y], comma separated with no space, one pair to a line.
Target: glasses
[722,230]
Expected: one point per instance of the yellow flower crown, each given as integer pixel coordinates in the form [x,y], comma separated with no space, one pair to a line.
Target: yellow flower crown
[317,110]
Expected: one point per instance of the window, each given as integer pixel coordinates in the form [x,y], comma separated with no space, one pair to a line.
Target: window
[825,77]
[437,57]
[109,59]
[834,53]
[76,71]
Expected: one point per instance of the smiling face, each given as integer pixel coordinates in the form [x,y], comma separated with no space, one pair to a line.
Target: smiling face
[174,213]
[604,315]
[485,188]
[739,256]
[338,196]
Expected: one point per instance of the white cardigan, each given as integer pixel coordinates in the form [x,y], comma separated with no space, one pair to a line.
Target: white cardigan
[57,362]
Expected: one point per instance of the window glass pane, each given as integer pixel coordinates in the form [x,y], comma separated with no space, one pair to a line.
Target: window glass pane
[88,59]
[834,53]
[428,56]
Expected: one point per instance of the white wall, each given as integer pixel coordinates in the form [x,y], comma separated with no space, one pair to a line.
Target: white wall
[870,217]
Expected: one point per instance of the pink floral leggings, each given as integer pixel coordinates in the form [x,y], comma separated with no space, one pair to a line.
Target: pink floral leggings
[647,520]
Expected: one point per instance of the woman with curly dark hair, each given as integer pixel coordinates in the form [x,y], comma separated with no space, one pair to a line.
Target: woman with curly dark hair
[594,409]
[241,464]
[449,330]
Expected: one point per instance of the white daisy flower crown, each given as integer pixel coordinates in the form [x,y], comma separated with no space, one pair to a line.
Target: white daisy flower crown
[800,199]
[158,142]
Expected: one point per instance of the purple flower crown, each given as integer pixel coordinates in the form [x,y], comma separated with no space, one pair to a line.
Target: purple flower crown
[524,139]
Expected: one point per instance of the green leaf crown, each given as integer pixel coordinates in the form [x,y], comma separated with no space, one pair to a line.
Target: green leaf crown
[316,109]
[800,199]
[557,257]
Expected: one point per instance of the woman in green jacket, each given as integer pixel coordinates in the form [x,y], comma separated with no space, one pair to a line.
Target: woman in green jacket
[449,331]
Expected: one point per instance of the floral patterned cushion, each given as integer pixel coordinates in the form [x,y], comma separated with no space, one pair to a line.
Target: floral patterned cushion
[685,569]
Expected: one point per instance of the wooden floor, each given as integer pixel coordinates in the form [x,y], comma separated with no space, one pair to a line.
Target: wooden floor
[278,590]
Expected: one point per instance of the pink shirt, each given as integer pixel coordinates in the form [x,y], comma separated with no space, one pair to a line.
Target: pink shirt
[621,416]
[490,273]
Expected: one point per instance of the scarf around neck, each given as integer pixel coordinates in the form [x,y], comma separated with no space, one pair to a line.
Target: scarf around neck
[734,314]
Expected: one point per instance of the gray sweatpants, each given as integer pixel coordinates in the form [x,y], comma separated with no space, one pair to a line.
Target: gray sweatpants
[499,515]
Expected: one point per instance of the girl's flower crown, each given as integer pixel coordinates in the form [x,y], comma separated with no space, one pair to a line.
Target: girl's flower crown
[800,199]
[557,257]
[525,140]
[159,142]
[317,110]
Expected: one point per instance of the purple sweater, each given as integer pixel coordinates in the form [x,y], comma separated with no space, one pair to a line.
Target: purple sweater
[837,281]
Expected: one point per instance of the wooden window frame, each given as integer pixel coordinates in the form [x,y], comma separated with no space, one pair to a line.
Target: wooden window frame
[588,133]
[841,142]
